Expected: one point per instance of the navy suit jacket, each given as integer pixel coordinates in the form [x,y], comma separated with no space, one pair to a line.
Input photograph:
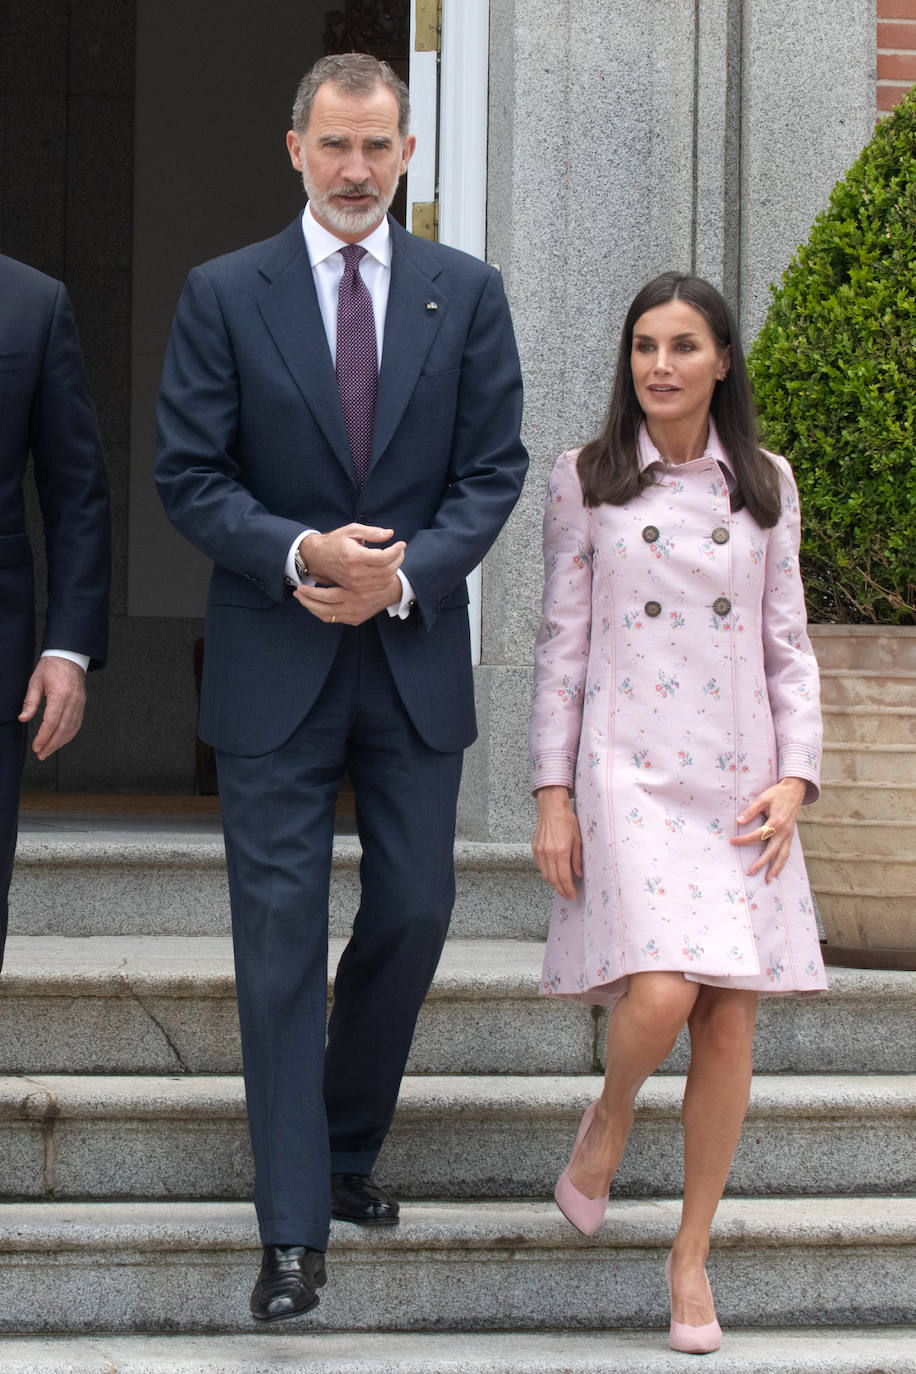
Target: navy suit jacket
[45,406]
[252,449]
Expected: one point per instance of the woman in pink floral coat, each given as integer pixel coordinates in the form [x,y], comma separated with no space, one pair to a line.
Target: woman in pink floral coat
[675,734]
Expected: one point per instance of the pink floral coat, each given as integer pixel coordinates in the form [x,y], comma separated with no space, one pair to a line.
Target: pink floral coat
[674,681]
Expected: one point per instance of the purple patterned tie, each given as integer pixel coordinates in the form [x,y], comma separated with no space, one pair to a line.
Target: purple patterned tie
[357,360]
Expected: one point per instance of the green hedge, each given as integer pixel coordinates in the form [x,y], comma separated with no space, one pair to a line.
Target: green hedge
[834,373]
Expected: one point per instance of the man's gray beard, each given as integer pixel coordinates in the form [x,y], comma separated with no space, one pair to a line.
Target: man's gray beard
[360,222]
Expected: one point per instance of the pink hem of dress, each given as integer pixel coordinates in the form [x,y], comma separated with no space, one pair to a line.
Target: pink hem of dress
[608,994]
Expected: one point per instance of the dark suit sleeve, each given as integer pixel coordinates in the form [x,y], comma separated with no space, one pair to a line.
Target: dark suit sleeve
[488,460]
[199,477]
[73,493]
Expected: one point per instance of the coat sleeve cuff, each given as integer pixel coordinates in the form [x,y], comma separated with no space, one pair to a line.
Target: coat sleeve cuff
[797,761]
[553,768]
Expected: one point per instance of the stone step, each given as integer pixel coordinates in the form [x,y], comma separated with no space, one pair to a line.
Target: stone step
[876,688]
[454,1138]
[485,1266]
[869,724]
[821,835]
[83,878]
[166,1004]
[810,1350]
[886,763]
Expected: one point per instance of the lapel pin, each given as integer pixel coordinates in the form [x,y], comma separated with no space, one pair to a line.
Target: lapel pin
[432,305]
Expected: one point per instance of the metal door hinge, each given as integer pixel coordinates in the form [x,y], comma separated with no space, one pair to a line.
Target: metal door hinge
[425,219]
[428,30]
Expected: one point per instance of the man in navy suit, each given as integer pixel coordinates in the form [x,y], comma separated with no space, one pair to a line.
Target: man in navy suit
[45,407]
[339,431]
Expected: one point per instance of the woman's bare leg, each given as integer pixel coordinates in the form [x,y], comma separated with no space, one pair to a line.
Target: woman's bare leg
[641,1033]
[715,1102]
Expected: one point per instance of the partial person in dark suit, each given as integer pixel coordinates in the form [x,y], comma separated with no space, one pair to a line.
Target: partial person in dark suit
[45,407]
[343,514]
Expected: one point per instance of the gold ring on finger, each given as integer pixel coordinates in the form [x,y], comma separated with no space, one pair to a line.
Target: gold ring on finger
[767,832]
[333,619]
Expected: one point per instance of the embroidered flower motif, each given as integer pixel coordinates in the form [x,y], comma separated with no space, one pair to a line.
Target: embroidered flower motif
[652,950]
[692,949]
[570,690]
[632,621]
[641,759]
[626,688]
[677,620]
[711,688]
[662,548]
[551,980]
[775,969]
[684,759]
[735,955]
[592,690]
[666,686]
[593,760]
[653,884]
[733,897]
[674,823]
[715,827]
[694,891]
[635,818]
[620,547]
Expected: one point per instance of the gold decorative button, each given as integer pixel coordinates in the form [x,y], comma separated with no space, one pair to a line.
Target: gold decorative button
[722,605]
[650,534]
[720,535]
[652,608]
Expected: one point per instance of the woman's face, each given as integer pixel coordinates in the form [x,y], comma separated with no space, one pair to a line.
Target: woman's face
[676,363]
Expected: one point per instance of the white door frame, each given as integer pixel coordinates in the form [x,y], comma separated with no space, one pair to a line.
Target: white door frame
[461,153]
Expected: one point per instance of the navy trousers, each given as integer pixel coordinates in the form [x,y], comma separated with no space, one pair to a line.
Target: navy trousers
[316,1108]
[12,757]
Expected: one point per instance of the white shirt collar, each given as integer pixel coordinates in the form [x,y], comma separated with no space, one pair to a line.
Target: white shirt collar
[320,243]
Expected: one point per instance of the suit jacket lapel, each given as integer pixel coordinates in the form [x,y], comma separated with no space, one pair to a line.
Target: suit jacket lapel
[289,308]
[410,328]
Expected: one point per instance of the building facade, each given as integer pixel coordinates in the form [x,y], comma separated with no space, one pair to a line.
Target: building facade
[582,147]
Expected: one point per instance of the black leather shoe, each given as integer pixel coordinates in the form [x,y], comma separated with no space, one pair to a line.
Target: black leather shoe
[287,1283]
[357,1197]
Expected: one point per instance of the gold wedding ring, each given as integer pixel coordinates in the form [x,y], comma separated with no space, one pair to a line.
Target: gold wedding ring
[767,832]
[333,618]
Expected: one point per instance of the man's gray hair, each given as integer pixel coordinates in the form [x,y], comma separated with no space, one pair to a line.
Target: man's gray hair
[356,73]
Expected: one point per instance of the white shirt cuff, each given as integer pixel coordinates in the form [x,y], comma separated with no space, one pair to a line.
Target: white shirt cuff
[81,659]
[292,576]
[401,608]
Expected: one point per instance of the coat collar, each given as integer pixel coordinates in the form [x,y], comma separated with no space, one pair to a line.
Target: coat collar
[289,308]
[649,454]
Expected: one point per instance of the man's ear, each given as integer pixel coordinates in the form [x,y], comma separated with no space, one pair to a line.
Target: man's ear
[296,151]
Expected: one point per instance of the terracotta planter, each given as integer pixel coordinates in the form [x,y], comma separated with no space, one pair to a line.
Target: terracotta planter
[860,837]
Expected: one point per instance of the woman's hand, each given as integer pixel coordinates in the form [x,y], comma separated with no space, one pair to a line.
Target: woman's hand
[557,843]
[779,806]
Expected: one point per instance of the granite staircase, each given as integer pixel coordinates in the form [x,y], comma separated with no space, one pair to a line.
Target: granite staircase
[127,1239]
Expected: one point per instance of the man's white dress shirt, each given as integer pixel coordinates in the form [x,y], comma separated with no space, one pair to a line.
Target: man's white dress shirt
[327,263]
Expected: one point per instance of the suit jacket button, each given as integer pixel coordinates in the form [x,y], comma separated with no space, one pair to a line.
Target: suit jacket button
[721,606]
[720,535]
[650,534]
[652,608]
